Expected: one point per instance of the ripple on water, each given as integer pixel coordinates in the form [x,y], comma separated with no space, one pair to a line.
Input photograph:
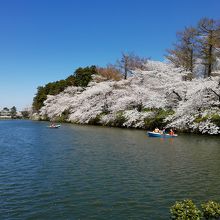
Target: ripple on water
[86,172]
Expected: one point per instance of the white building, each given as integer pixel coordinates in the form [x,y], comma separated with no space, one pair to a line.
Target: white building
[5,113]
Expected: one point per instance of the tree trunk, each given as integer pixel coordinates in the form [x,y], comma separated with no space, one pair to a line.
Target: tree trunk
[191,61]
[209,61]
[126,73]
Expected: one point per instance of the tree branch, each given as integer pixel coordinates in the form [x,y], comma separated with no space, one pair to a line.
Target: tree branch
[216,94]
[177,94]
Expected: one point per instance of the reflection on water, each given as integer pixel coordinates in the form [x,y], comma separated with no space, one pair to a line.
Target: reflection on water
[87,172]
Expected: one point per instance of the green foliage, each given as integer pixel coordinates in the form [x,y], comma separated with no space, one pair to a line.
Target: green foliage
[39,98]
[185,210]
[55,87]
[70,80]
[25,114]
[81,77]
[5,109]
[13,112]
[211,210]
[147,109]
[213,118]
[164,113]
[139,107]
[84,75]
[105,109]
[216,119]
[120,119]
[151,123]
[96,120]
[44,118]
[63,117]
[158,119]
[200,119]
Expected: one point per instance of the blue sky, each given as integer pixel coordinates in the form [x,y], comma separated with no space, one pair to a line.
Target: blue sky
[46,40]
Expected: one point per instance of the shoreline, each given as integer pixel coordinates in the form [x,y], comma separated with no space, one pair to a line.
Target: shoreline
[123,127]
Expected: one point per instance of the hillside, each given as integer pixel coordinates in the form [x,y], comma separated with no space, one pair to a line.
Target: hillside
[156,97]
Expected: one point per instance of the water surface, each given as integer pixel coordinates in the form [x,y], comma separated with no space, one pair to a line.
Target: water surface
[88,172]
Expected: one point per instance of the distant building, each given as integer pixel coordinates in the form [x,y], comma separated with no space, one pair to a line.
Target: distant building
[5,113]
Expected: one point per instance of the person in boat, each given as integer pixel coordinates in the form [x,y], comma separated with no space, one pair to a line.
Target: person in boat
[156,130]
[171,132]
[163,131]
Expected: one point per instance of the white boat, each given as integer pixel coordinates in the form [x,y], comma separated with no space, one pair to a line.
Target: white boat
[54,126]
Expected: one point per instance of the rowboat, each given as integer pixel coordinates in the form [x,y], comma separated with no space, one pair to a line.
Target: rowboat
[54,126]
[155,134]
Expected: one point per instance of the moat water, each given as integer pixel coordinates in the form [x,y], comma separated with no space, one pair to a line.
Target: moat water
[89,172]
